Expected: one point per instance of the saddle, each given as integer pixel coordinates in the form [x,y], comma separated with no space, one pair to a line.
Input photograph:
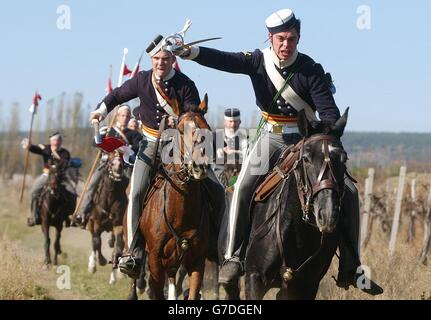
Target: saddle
[282,168]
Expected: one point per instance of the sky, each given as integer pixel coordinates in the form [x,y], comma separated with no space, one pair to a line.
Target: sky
[377,51]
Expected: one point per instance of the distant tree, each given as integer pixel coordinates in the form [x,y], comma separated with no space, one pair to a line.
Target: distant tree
[11,160]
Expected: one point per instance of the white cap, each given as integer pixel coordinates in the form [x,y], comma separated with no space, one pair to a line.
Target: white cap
[124,107]
[282,20]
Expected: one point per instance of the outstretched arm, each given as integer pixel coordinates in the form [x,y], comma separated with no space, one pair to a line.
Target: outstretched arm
[234,62]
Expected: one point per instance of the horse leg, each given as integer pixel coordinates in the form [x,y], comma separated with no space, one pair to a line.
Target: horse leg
[111,241]
[118,249]
[157,278]
[132,291]
[196,276]
[232,291]
[45,229]
[57,247]
[92,260]
[214,279]
[182,272]
[141,284]
[172,292]
[97,246]
[254,287]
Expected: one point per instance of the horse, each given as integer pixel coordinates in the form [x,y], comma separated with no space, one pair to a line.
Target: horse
[174,221]
[56,203]
[109,205]
[294,232]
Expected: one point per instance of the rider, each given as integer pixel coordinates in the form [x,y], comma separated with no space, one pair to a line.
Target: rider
[52,153]
[230,144]
[152,87]
[133,124]
[120,130]
[285,81]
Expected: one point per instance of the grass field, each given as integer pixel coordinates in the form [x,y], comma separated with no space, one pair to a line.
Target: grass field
[22,275]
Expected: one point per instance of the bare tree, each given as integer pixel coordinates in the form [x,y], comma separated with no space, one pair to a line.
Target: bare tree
[11,159]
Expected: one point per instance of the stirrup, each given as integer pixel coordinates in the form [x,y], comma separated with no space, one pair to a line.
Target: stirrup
[130,265]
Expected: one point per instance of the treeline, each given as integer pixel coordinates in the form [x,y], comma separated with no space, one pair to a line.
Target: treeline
[67,114]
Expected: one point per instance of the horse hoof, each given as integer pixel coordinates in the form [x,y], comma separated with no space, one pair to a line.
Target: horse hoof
[46,267]
[288,275]
[112,281]
[102,261]
[92,269]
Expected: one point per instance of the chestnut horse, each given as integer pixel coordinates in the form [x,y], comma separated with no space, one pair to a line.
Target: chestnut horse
[110,203]
[175,221]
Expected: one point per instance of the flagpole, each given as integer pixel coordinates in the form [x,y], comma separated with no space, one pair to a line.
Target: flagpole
[135,70]
[99,152]
[27,155]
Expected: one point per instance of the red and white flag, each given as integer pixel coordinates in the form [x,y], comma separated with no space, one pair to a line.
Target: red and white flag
[35,102]
[126,71]
[135,70]
[137,66]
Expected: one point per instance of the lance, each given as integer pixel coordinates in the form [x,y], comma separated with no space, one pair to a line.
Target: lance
[99,152]
[33,109]
[136,68]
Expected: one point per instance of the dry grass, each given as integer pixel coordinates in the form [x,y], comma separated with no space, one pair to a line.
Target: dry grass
[401,275]
[17,275]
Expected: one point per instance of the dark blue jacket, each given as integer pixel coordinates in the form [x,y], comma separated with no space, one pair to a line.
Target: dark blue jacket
[309,80]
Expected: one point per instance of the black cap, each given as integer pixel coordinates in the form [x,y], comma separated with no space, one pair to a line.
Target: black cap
[232,112]
[154,43]
[55,134]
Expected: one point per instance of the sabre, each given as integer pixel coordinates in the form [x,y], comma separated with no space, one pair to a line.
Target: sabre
[175,42]
[97,137]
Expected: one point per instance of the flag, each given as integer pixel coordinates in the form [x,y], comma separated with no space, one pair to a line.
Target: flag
[126,71]
[135,71]
[109,85]
[176,66]
[109,88]
[35,102]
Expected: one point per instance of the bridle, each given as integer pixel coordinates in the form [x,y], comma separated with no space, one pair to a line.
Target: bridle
[116,177]
[307,191]
[184,174]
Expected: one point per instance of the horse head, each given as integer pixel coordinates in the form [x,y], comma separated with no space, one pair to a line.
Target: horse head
[193,130]
[320,170]
[115,166]
[56,172]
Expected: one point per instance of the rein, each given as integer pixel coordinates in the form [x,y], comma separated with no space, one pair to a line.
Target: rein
[306,193]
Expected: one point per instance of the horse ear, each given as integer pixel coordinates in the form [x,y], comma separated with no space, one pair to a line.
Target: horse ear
[338,128]
[203,106]
[303,124]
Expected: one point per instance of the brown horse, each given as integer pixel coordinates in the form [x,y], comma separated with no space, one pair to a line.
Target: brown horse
[109,205]
[174,221]
[56,203]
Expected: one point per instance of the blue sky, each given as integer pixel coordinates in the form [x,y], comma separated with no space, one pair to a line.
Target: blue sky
[382,73]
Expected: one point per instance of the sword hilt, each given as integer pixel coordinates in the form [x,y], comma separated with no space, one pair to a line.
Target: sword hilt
[97,137]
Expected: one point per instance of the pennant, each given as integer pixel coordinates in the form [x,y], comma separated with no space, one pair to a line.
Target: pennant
[35,102]
[135,71]
[126,71]
[109,85]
